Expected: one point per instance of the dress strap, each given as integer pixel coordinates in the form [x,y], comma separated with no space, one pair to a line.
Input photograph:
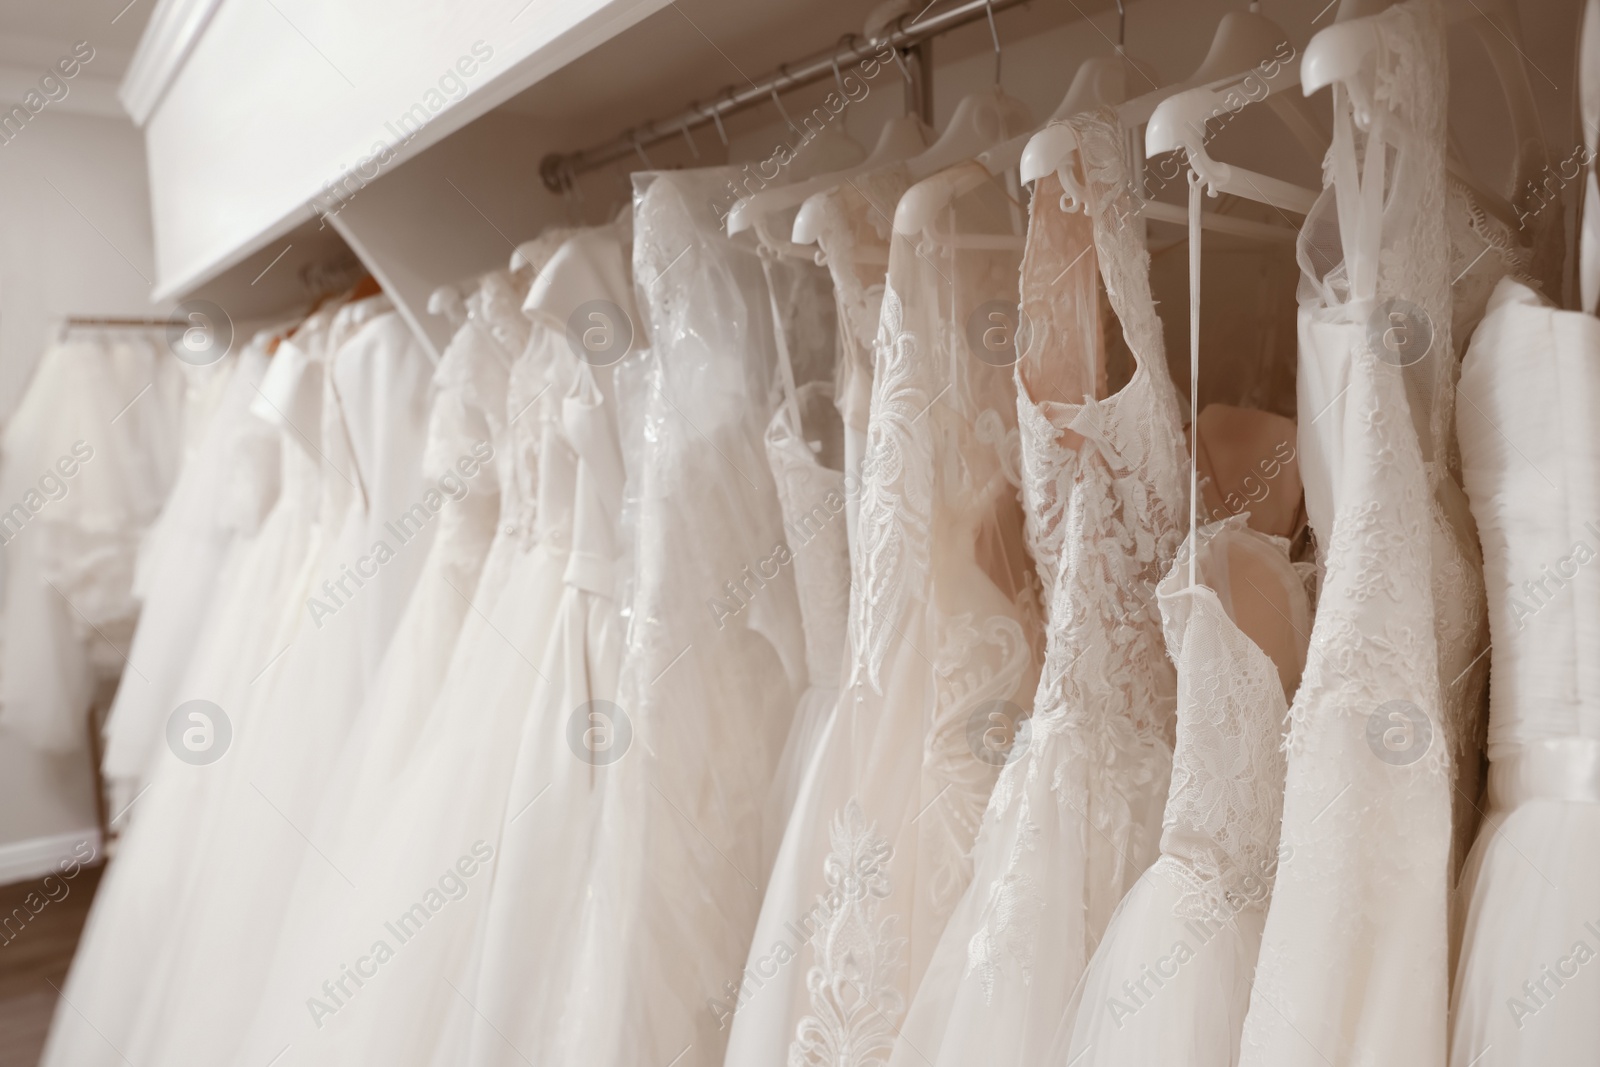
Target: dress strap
[791,399]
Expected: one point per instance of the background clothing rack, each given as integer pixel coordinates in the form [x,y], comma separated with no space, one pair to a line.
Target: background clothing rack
[910,36]
[113,322]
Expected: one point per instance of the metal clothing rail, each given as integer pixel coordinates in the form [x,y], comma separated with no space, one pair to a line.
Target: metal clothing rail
[76,321]
[906,35]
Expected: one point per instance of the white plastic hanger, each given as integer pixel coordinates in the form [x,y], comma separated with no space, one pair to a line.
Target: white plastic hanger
[1337,54]
[1100,81]
[900,138]
[1243,42]
[1179,123]
[981,121]
[446,300]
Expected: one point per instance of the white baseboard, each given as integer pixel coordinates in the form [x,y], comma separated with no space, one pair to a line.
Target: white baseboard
[36,857]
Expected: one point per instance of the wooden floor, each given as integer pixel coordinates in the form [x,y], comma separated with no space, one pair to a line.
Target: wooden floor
[35,960]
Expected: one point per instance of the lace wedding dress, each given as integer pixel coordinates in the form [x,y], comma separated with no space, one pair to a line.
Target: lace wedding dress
[1354,956]
[255,608]
[1075,817]
[713,663]
[942,631]
[1531,382]
[857,219]
[805,458]
[1171,981]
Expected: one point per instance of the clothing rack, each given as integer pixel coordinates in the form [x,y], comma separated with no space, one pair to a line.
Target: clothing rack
[114,322]
[909,35]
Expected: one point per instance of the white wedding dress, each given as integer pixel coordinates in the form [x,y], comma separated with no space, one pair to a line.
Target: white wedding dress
[1523,994]
[246,627]
[90,454]
[943,626]
[271,780]
[856,221]
[1354,955]
[442,808]
[708,692]
[1075,817]
[518,954]
[200,529]
[1170,982]
[804,449]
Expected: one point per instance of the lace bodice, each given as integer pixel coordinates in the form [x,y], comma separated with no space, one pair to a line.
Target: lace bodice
[813,499]
[1108,478]
[1362,903]
[1220,829]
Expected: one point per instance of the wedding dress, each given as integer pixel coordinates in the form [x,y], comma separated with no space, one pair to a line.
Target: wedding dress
[466,426]
[1354,955]
[90,454]
[943,626]
[804,451]
[1075,817]
[1531,383]
[375,525]
[466,431]
[181,577]
[245,628]
[402,921]
[518,954]
[712,666]
[856,220]
[1170,982]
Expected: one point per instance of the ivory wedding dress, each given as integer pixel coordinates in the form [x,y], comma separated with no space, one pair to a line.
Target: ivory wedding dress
[256,605]
[1170,982]
[857,219]
[545,840]
[107,410]
[1075,817]
[943,625]
[1354,956]
[401,921]
[713,663]
[805,452]
[179,586]
[1523,992]
[271,780]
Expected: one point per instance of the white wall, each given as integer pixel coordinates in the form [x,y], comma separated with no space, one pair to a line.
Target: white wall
[74,239]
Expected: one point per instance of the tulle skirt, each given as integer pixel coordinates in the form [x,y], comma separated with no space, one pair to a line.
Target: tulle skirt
[811,715]
[377,942]
[204,987]
[1062,842]
[135,910]
[524,953]
[1163,988]
[1524,992]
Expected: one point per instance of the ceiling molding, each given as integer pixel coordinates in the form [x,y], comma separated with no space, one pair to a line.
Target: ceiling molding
[168,40]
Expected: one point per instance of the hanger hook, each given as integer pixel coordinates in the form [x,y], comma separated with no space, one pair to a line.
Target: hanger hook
[778,103]
[994,34]
[839,78]
[710,111]
[1122,24]
[633,135]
